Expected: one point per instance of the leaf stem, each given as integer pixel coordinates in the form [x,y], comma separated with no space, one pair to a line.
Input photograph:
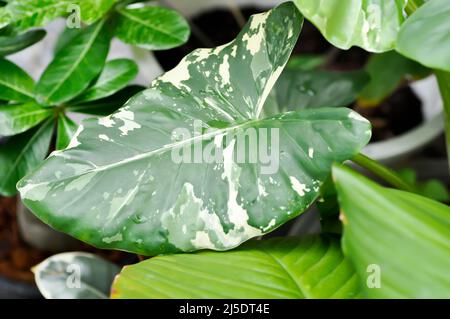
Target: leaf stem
[413,5]
[444,86]
[383,172]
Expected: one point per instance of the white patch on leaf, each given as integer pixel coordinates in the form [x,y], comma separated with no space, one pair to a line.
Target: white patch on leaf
[298,187]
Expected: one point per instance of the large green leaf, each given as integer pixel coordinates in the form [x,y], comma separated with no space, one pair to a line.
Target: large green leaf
[114,77]
[298,89]
[152,28]
[402,237]
[75,66]
[15,84]
[18,118]
[25,14]
[66,130]
[22,153]
[148,201]
[387,71]
[12,44]
[279,268]
[370,24]
[425,36]
[75,275]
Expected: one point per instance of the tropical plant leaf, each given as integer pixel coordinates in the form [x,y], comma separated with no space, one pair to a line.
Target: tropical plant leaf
[311,267]
[309,89]
[169,204]
[20,154]
[75,66]
[75,275]
[387,71]
[152,28]
[15,84]
[25,14]
[18,118]
[13,44]
[107,105]
[66,130]
[115,76]
[305,62]
[93,10]
[425,36]
[403,235]
[370,24]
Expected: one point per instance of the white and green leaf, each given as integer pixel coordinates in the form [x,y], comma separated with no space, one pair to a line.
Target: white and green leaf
[75,275]
[370,24]
[147,202]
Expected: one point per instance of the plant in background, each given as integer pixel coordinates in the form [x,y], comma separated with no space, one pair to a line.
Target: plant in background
[77,80]
[116,186]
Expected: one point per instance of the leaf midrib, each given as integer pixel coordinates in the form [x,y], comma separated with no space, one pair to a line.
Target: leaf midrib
[128,15]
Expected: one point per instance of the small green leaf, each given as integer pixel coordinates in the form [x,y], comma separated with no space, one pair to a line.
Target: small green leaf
[93,10]
[305,62]
[13,44]
[107,105]
[66,130]
[387,71]
[22,153]
[115,76]
[25,14]
[279,268]
[398,241]
[370,24]
[425,36]
[15,83]
[75,275]
[75,66]
[152,28]
[18,118]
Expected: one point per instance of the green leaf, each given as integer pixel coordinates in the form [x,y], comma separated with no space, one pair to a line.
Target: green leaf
[432,188]
[152,28]
[305,62]
[107,105]
[309,89]
[114,77]
[15,83]
[75,275]
[279,268]
[402,235]
[387,71]
[13,44]
[66,130]
[22,153]
[18,118]
[25,14]
[93,10]
[425,36]
[167,204]
[75,66]
[370,24]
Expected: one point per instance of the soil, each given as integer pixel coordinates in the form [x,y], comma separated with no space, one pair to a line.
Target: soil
[219,26]
[17,258]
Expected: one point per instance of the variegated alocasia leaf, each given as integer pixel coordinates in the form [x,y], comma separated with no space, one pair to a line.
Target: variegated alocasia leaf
[121,183]
[75,275]
[370,24]
[398,241]
[425,36]
[279,268]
